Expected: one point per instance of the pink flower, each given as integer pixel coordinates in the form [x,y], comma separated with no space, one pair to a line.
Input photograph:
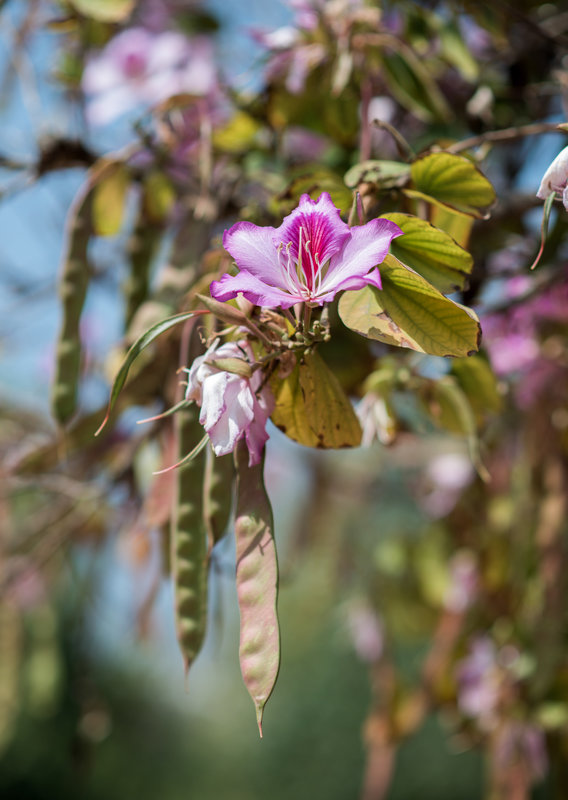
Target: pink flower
[233,406]
[141,68]
[555,178]
[478,682]
[311,257]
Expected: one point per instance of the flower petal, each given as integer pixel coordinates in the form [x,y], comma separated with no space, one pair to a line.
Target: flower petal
[254,251]
[254,289]
[555,177]
[237,416]
[366,247]
[213,403]
[321,225]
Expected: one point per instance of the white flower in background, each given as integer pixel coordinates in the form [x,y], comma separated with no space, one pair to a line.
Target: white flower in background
[140,68]
[555,178]
[233,406]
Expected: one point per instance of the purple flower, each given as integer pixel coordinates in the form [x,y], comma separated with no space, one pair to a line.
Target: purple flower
[141,68]
[555,178]
[311,257]
[233,406]
[478,682]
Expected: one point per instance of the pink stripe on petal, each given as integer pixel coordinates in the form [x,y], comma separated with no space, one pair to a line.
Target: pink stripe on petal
[321,226]
[367,247]
[254,289]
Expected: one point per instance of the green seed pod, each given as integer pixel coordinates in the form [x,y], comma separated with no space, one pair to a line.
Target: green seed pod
[72,291]
[257,583]
[10,669]
[189,541]
[218,494]
[144,244]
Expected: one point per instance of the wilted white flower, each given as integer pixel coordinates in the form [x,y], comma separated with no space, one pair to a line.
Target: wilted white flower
[555,178]
[233,405]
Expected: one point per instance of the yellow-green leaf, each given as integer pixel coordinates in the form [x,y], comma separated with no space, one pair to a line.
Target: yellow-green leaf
[159,195]
[456,225]
[105,10]
[477,380]
[314,183]
[452,411]
[385,173]
[455,50]
[109,199]
[410,312]
[312,408]
[447,179]
[238,135]
[431,252]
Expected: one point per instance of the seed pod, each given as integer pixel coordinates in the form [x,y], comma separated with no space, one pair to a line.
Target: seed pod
[218,494]
[72,291]
[10,669]
[257,583]
[189,541]
[144,244]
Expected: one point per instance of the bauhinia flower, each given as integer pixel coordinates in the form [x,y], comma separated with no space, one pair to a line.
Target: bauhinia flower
[138,67]
[555,178]
[233,405]
[311,257]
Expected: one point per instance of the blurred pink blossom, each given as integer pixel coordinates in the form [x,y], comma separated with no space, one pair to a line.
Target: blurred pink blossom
[139,68]
[464,582]
[366,632]
[478,682]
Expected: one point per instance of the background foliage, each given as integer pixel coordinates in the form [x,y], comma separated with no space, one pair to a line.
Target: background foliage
[422,575]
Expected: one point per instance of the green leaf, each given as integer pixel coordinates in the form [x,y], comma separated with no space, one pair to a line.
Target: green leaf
[431,252]
[238,135]
[455,50]
[109,197]
[314,183]
[544,227]
[312,408]
[477,380]
[450,180]
[456,225]
[414,87]
[452,411]
[139,345]
[410,312]
[385,173]
[159,195]
[105,10]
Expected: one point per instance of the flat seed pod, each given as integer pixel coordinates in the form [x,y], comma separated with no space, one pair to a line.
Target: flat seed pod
[257,583]
[218,494]
[189,542]
[72,292]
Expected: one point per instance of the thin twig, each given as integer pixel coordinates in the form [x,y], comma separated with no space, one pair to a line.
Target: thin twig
[505,135]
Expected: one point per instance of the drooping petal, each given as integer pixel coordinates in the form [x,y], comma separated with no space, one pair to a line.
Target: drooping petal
[556,176]
[236,418]
[213,402]
[254,251]
[321,226]
[254,289]
[366,247]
